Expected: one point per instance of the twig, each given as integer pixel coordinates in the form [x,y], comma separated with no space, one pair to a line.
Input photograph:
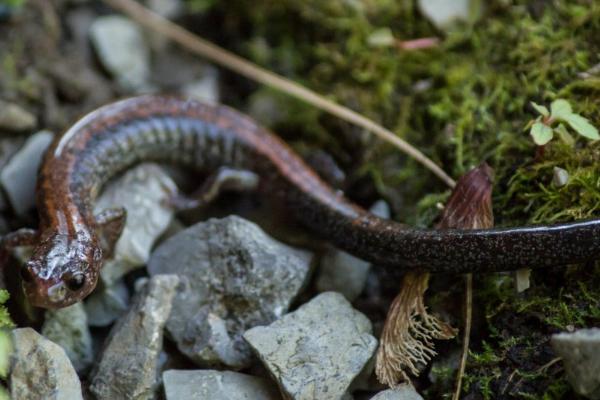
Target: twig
[466,335]
[206,49]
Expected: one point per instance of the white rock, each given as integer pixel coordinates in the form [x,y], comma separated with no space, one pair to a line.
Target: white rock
[106,304]
[444,13]
[15,118]
[68,328]
[41,369]
[560,177]
[166,8]
[19,176]
[122,50]
[216,385]
[580,352]
[402,392]
[205,89]
[316,351]
[128,366]
[143,192]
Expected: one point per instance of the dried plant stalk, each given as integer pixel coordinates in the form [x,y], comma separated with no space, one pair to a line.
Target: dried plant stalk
[409,330]
[408,333]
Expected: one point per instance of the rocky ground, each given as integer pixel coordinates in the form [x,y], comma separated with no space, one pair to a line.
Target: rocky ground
[211,305]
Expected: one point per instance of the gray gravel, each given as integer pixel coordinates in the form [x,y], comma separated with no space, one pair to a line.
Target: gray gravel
[19,176]
[122,50]
[68,327]
[580,352]
[128,366]
[217,385]
[234,277]
[316,351]
[41,369]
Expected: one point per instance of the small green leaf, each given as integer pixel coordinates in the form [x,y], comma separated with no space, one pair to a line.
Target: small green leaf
[3,296]
[582,126]
[541,109]
[564,135]
[541,133]
[561,109]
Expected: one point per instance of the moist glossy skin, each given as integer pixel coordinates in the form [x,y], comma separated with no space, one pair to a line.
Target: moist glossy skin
[204,137]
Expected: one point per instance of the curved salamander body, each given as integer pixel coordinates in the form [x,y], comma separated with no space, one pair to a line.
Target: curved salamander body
[71,239]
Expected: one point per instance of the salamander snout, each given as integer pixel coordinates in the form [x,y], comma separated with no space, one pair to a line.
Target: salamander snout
[56,291]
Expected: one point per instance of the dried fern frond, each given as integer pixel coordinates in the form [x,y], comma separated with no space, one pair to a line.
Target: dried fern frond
[409,330]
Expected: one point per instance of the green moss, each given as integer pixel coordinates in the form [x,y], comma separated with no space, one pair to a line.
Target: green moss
[516,358]
[5,321]
[5,343]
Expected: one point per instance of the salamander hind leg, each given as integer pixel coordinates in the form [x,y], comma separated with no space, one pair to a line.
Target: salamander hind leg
[110,224]
[223,179]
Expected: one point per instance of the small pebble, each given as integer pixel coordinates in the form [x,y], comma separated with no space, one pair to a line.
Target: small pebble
[444,14]
[402,392]
[316,351]
[41,369]
[205,89]
[143,191]
[128,365]
[19,176]
[107,303]
[68,328]
[560,177]
[14,118]
[122,50]
[216,385]
[580,352]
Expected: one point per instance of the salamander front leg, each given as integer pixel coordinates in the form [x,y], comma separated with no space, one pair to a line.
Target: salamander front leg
[223,179]
[110,224]
[21,237]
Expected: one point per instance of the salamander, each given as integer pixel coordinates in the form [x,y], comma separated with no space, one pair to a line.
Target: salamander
[72,241]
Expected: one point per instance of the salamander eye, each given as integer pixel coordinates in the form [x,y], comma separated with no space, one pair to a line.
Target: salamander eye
[75,282]
[26,273]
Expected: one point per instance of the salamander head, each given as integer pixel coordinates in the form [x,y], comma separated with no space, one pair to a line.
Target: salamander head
[62,270]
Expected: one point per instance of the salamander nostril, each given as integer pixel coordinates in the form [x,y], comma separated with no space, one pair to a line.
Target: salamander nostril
[26,274]
[75,282]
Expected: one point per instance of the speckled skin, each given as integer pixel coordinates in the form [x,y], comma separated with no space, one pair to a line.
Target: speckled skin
[204,137]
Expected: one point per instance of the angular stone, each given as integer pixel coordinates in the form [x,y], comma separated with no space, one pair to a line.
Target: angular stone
[143,191]
[316,351]
[128,366]
[444,14]
[402,392]
[206,88]
[122,50]
[234,277]
[16,119]
[217,385]
[41,369]
[19,176]
[106,304]
[580,352]
[68,328]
